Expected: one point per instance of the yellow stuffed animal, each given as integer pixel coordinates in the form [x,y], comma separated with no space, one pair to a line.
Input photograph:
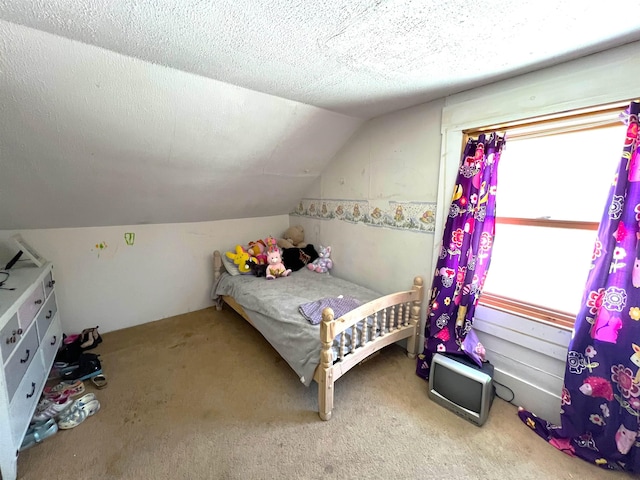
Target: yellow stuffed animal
[240,258]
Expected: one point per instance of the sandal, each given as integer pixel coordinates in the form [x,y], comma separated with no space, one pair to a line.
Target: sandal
[37,433]
[100,381]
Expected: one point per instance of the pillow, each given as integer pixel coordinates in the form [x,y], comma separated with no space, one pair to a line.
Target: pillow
[229,266]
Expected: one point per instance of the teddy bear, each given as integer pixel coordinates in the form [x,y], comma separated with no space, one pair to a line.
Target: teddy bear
[275,267]
[292,237]
[257,251]
[323,263]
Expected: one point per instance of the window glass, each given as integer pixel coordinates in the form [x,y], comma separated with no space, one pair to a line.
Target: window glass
[562,177]
[559,177]
[542,266]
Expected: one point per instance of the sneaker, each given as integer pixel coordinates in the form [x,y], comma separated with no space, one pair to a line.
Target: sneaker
[52,410]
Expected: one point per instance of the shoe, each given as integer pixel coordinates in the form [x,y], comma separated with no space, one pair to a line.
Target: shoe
[72,388]
[90,338]
[70,339]
[38,432]
[88,366]
[46,401]
[100,381]
[69,352]
[81,409]
[52,410]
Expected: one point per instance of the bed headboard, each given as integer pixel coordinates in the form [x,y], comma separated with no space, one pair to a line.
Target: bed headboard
[218,267]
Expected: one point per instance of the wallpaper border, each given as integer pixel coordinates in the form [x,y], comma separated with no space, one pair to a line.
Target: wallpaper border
[419,217]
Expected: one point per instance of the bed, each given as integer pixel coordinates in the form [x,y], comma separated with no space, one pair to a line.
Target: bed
[325,351]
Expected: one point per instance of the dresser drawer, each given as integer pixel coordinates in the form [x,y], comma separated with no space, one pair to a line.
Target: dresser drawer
[48,283]
[24,402]
[51,342]
[27,311]
[9,337]
[22,357]
[46,315]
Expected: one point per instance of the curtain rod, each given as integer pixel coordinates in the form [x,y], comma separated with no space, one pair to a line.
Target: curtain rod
[591,117]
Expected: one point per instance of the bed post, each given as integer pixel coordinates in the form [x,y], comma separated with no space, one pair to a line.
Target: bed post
[217,271]
[412,342]
[325,383]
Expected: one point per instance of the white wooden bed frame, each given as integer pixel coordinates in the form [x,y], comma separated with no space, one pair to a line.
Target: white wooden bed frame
[401,322]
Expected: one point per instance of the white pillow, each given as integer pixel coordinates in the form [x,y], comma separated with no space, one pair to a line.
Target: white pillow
[229,266]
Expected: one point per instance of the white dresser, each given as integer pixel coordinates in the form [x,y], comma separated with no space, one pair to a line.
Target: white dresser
[30,334]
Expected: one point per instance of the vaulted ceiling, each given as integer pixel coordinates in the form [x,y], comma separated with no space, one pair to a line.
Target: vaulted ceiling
[139,111]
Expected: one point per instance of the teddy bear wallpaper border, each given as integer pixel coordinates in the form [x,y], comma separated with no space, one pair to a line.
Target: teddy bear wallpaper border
[417,217]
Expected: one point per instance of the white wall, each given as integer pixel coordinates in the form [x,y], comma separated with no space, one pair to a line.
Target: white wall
[90,137]
[168,270]
[402,156]
[390,158]
[529,357]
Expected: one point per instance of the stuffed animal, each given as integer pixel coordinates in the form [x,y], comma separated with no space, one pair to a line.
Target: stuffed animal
[240,258]
[297,258]
[271,243]
[292,237]
[323,263]
[258,269]
[275,267]
[258,251]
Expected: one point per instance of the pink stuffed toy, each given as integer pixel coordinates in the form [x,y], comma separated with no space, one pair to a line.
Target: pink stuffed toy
[275,267]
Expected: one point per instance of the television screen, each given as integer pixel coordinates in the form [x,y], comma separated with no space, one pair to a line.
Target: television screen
[462,386]
[460,389]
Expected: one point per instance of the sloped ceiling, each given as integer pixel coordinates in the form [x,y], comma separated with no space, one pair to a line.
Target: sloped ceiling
[139,111]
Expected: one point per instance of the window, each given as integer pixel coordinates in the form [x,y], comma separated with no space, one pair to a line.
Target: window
[553,183]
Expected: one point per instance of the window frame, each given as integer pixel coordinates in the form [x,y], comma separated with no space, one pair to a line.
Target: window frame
[556,124]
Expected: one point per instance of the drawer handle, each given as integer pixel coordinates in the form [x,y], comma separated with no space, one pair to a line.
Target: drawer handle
[49,315]
[55,339]
[52,283]
[24,360]
[33,390]
[38,302]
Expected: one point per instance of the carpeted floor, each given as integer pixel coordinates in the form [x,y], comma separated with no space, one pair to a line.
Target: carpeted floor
[204,396]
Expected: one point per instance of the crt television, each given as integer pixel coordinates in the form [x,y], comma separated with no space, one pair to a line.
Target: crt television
[459,384]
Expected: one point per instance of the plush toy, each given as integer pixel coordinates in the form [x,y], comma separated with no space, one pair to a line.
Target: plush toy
[258,269]
[272,243]
[297,258]
[258,251]
[240,258]
[275,267]
[292,237]
[323,263]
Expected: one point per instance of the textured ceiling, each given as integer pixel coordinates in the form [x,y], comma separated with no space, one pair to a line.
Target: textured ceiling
[359,57]
[120,112]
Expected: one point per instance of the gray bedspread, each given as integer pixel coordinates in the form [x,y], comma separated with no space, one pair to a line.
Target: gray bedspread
[273,305]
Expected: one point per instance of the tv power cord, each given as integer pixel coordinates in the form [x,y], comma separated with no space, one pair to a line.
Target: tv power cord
[4,280]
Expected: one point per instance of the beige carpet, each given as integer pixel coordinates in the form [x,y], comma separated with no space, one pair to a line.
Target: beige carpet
[204,396]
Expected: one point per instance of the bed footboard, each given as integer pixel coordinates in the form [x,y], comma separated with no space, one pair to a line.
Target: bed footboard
[372,326]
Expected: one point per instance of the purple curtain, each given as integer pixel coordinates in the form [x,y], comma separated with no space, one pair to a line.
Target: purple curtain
[464,256]
[600,408]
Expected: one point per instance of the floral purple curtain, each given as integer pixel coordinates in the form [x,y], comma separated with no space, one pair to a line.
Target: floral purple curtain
[600,409]
[464,256]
